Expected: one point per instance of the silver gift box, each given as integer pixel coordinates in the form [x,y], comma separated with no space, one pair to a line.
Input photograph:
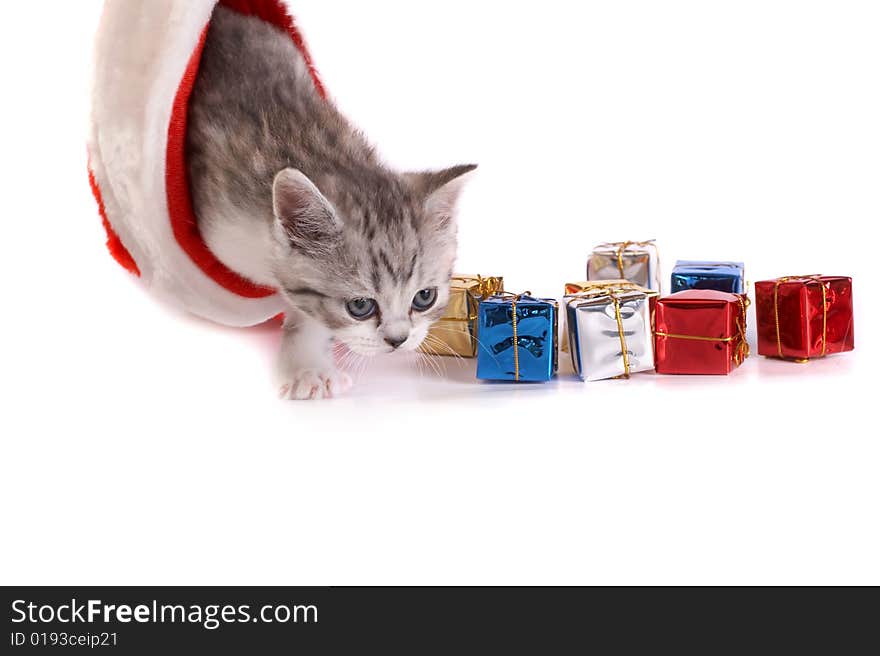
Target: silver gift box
[639,260]
[599,339]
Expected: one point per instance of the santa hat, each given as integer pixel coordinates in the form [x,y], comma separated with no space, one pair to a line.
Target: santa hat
[147,59]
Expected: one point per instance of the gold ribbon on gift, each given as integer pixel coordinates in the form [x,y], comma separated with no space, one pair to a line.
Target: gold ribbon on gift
[620,248]
[514,298]
[813,277]
[478,286]
[623,349]
[742,350]
[612,289]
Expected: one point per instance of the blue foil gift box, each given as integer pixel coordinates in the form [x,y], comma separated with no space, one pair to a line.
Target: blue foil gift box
[517,338]
[720,276]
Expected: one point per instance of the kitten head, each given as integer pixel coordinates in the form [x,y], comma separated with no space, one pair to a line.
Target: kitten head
[371,260]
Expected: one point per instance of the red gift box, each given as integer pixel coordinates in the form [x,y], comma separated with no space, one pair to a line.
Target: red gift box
[700,331]
[803,317]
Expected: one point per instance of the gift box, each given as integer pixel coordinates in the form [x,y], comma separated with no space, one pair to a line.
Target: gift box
[517,338]
[721,276]
[700,331]
[804,317]
[584,286]
[456,332]
[609,331]
[636,261]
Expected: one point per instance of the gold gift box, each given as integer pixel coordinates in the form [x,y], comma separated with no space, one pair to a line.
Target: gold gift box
[456,332]
[586,286]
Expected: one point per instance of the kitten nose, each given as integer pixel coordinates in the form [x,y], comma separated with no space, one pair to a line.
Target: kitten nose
[394,342]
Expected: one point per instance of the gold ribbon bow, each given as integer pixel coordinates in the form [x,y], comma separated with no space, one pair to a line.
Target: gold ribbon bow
[611,289]
[489,286]
[813,277]
[742,350]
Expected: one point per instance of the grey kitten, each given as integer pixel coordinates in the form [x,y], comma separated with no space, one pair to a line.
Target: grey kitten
[290,195]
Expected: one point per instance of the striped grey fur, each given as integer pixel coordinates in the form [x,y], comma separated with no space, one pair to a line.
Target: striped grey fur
[288,193]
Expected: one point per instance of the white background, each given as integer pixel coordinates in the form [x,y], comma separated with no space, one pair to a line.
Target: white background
[140,446]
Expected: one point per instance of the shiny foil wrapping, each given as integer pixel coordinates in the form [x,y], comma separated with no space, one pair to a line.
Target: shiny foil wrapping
[584,286]
[456,332]
[720,276]
[517,338]
[599,336]
[638,262]
[804,317]
[700,331]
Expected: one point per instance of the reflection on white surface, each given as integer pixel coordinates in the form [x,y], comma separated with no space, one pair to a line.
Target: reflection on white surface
[415,377]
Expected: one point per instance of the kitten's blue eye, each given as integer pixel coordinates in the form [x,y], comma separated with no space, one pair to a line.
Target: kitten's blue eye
[361,308]
[425,299]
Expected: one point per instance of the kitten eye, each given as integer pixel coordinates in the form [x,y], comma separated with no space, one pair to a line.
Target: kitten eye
[425,299]
[361,308]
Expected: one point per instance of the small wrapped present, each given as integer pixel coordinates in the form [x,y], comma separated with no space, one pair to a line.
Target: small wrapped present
[636,261]
[700,331]
[721,276]
[804,317]
[456,332]
[517,338]
[584,286]
[609,330]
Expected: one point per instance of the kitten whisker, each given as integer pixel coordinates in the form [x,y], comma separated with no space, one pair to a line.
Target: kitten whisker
[479,342]
[442,359]
[414,356]
[433,363]
[443,348]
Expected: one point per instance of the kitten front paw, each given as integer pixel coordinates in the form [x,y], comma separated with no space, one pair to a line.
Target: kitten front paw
[308,384]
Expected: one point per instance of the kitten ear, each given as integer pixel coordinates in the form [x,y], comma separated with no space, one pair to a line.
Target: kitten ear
[441,190]
[305,217]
